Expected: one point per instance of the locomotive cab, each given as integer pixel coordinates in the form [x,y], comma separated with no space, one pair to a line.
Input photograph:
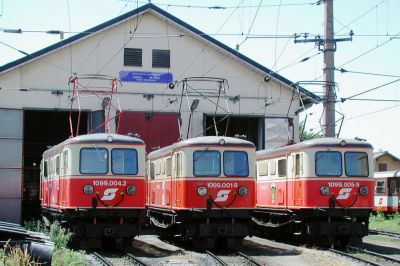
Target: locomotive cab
[202,189]
[319,191]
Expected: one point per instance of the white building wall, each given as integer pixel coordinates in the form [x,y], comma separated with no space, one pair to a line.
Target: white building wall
[31,84]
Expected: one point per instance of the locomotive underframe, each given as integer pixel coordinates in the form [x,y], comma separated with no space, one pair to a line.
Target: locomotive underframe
[205,228]
[95,228]
[313,226]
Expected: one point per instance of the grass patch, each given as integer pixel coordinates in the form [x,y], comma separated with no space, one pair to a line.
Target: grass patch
[14,256]
[64,256]
[385,223]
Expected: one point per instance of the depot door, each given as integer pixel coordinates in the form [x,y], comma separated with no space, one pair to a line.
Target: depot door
[156,129]
[11,136]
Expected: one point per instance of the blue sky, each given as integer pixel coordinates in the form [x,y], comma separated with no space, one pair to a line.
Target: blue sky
[263,30]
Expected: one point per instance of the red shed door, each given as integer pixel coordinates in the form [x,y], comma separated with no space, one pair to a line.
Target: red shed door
[156,129]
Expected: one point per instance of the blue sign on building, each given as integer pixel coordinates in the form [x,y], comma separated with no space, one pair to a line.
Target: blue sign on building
[145,77]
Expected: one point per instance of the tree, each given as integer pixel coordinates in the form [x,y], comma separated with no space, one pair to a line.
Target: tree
[306,135]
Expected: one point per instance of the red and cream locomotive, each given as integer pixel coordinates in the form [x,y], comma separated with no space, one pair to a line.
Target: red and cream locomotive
[94,185]
[202,189]
[319,191]
[387,190]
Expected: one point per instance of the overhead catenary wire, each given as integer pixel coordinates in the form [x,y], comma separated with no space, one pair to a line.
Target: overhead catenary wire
[369,90]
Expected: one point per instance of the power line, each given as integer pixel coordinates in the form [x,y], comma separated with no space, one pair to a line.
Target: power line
[375,88]
[342,70]
[374,100]
[373,112]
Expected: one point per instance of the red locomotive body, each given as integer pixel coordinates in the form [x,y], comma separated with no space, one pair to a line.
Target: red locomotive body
[94,184]
[203,189]
[319,190]
[387,191]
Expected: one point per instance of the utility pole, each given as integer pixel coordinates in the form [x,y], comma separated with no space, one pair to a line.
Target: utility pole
[328,120]
[328,46]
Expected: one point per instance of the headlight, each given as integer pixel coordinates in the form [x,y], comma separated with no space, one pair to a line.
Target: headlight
[363,191]
[243,191]
[109,138]
[202,191]
[88,189]
[221,142]
[130,190]
[324,190]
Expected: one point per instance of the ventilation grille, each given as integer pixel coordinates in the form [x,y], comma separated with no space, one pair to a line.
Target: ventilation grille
[161,58]
[132,57]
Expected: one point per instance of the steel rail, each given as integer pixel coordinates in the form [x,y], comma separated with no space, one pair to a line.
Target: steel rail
[250,259]
[103,260]
[215,257]
[354,257]
[389,258]
[137,260]
[377,232]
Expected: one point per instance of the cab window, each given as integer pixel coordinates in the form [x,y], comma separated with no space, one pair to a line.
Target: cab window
[94,161]
[124,162]
[328,163]
[356,163]
[206,163]
[236,163]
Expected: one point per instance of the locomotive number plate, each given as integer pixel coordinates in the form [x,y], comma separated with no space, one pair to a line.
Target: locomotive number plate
[343,184]
[222,185]
[106,183]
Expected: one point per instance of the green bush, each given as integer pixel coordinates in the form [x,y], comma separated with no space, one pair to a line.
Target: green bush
[59,235]
[14,256]
[67,257]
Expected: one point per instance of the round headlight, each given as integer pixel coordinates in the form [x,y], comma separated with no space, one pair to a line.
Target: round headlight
[363,191]
[88,189]
[343,143]
[109,138]
[221,142]
[324,190]
[202,191]
[243,191]
[130,190]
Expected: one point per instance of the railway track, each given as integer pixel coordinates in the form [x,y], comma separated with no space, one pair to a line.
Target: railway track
[136,259]
[101,259]
[374,257]
[249,260]
[377,232]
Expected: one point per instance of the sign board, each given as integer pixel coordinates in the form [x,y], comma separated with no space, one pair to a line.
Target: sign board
[145,77]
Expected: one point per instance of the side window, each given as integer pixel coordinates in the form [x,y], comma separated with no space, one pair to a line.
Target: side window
[380,187]
[272,167]
[163,162]
[168,166]
[298,166]
[263,168]
[58,165]
[282,167]
[158,167]
[179,164]
[45,174]
[152,170]
[64,163]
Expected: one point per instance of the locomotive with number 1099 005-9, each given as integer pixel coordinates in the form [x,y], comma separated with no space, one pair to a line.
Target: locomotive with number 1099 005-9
[318,191]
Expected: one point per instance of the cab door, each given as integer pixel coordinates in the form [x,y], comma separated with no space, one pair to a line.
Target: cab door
[297,173]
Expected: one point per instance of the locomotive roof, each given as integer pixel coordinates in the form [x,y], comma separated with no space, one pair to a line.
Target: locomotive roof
[99,138]
[321,142]
[202,141]
[387,174]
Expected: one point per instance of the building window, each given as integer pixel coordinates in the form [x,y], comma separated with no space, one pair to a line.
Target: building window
[161,58]
[133,57]
[382,167]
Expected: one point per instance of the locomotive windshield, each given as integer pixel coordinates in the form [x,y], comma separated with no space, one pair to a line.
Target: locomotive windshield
[356,163]
[236,163]
[124,162]
[328,163]
[208,163]
[94,161]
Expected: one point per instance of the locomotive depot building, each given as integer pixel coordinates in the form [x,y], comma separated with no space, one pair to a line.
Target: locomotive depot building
[151,52]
